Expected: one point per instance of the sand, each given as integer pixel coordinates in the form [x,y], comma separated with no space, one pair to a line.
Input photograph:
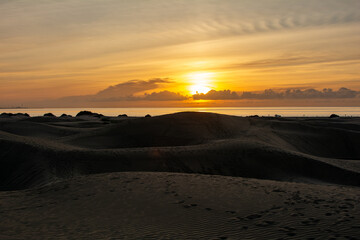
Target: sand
[179,176]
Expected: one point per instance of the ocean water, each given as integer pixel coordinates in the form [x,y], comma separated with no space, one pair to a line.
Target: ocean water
[236,111]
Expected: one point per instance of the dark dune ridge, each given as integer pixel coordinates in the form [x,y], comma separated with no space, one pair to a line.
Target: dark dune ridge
[39,150]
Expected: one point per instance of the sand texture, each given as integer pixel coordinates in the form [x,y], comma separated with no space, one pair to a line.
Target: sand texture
[179,176]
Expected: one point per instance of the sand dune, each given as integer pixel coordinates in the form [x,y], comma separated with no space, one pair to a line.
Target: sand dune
[56,157]
[278,149]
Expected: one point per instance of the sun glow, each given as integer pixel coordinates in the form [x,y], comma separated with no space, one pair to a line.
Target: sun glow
[199,89]
[200,82]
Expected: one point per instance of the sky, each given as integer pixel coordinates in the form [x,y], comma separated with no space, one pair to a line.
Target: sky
[163,53]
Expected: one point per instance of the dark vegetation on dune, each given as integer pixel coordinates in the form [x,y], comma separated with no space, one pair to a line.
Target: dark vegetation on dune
[88,113]
[39,150]
[49,115]
[7,115]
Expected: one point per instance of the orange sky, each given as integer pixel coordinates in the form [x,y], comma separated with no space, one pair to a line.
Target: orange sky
[52,52]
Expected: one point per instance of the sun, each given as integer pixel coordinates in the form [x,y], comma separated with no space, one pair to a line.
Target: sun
[195,89]
[200,82]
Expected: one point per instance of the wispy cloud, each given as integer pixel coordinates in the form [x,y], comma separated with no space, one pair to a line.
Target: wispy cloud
[296,61]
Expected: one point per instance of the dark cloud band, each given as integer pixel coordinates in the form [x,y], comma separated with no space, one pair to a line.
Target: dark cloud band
[311,93]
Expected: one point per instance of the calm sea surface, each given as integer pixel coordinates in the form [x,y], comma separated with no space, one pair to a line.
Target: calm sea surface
[237,111]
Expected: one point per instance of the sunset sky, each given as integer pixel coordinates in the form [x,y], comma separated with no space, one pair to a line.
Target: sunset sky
[173,52]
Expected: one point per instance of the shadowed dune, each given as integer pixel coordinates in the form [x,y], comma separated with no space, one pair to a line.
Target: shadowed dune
[324,139]
[196,128]
[34,129]
[180,129]
[315,150]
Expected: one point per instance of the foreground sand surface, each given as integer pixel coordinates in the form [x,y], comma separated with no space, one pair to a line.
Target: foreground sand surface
[179,176]
[180,206]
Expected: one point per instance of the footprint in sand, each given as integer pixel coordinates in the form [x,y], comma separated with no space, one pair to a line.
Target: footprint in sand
[234,219]
[232,212]
[190,205]
[310,221]
[278,190]
[253,216]
[265,223]
[297,214]
[287,229]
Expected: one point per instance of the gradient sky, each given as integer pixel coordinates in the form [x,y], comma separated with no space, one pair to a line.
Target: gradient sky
[160,52]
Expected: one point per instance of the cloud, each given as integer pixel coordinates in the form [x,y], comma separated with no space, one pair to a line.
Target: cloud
[326,93]
[266,94]
[164,96]
[126,92]
[129,88]
[305,94]
[216,95]
[117,95]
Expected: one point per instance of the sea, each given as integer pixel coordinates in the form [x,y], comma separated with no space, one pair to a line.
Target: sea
[236,111]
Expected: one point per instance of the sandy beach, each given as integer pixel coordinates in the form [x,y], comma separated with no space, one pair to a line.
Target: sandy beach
[179,176]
